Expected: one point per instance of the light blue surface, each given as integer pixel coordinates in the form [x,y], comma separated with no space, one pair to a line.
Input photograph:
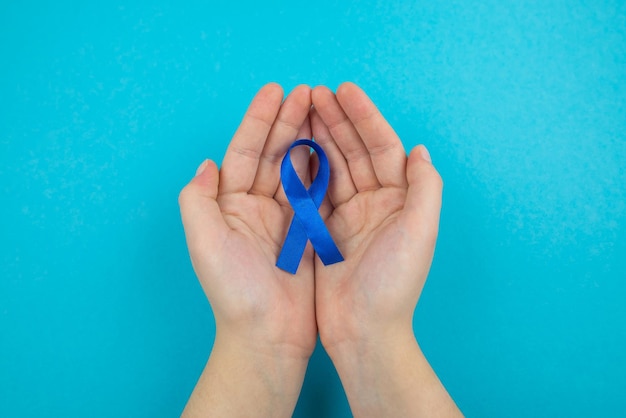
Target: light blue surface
[106,110]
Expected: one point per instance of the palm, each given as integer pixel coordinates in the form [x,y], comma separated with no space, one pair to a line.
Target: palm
[370,285]
[249,283]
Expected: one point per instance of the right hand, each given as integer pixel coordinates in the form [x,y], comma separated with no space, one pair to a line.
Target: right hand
[383,212]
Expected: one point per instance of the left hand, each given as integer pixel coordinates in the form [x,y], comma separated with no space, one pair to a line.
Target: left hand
[235,220]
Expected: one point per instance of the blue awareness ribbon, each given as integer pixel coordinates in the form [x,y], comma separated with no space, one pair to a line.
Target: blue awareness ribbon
[307,224]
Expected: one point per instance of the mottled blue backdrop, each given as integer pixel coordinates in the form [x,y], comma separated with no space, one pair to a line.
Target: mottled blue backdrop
[107,108]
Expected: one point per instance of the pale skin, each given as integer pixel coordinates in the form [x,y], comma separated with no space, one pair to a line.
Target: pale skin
[382,209]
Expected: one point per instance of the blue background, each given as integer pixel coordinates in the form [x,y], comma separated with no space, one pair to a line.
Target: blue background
[106,111]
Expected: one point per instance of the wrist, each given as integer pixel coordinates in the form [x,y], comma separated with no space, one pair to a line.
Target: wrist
[380,373]
[280,362]
[355,335]
[386,374]
[376,349]
[268,336]
[241,381]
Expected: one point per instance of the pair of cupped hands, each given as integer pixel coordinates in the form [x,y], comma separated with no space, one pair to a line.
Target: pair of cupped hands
[382,210]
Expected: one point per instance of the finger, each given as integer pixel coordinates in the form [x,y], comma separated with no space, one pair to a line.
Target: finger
[341,188]
[300,161]
[202,219]
[242,156]
[290,119]
[347,139]
[383,145]
[423,201]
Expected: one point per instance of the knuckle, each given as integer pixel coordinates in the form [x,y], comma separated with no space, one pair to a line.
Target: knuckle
[184,196]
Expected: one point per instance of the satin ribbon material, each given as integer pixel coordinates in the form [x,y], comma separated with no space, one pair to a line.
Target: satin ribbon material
[307,224]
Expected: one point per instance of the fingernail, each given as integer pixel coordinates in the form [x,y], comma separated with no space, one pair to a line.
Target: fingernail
[425,154]
[200,169]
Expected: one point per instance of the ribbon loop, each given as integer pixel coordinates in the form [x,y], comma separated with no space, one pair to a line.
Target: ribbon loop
[307,224]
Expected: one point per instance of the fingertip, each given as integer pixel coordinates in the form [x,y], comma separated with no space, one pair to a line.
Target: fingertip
[270,95]
[303,89]
[301,95]
[201,168]
[207,174]
[423,151]
[206,167]
[273,88]
[347,88]
[320,89]
[320,92]
[355,102]
[303,86]
[266,103]
[420,167]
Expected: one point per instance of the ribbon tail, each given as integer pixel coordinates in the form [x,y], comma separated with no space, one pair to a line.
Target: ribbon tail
[293,247]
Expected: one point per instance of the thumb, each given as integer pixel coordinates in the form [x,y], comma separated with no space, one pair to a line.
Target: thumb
[423,201]
[204,225]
